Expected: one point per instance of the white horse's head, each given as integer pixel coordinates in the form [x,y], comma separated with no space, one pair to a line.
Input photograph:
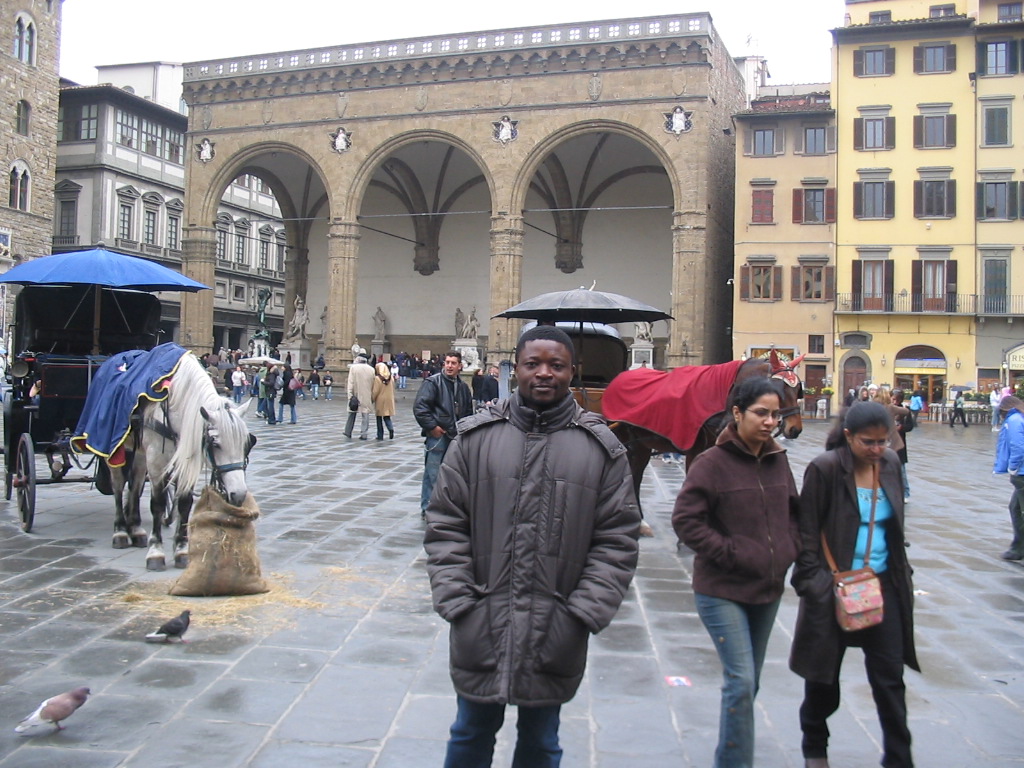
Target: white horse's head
[226,443]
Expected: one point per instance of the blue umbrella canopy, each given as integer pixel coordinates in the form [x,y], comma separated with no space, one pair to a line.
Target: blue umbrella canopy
[100,267]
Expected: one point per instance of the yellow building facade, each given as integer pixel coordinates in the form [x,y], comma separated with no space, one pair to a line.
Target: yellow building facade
[784,283]
[925,212]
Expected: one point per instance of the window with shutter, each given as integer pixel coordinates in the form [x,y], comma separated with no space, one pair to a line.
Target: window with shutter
[762,206]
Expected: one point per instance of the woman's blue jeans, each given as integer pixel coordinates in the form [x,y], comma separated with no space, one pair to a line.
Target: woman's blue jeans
[473,733]
[740,632]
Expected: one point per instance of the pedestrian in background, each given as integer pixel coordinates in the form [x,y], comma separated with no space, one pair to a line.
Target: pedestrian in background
[531,544]
[287,394]
[958,410]
[835,506]
[995,399]
[1010,460]
[271,387]
[896,441]
[737,511]
[359,385]
[238,383]
[328,383]
[384,400]
[442,400]
[314,384]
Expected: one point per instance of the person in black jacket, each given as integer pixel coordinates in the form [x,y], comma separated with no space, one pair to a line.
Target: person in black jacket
[442,400]
[835,504]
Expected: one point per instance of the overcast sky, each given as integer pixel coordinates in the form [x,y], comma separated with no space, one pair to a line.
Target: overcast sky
[95,32]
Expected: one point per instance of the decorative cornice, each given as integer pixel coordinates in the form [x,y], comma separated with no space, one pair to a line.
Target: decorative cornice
[595,46]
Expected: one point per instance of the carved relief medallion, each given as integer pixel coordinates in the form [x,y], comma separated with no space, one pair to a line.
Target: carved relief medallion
[268,111]
[341,103]
[505,92]
[420,99]
[341,140]
[594,87]
[679,81]
[678,121]
[506,130]
[206,118]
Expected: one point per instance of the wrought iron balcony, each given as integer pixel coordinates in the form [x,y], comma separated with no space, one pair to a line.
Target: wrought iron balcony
[65,241]
[916,303]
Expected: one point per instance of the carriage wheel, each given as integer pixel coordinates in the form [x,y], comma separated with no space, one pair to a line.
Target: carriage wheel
[25,481]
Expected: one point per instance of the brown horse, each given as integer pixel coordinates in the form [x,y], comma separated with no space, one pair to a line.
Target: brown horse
[642,443]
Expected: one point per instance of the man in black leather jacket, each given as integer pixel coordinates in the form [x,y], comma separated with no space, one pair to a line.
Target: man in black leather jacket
[443,399]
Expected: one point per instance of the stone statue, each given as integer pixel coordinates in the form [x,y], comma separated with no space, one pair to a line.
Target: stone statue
[642,332]
[356,349]
[472,326]
[300,317]
[380,321]
[262,300]
[460,322]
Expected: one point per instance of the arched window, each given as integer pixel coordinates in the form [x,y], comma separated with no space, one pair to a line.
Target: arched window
[25,40]
[19,192]
[23,117]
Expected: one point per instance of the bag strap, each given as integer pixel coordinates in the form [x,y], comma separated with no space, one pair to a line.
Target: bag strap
[871,528]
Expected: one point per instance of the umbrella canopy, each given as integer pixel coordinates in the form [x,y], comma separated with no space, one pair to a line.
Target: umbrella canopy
[260,360]
[100,267]
[583,306]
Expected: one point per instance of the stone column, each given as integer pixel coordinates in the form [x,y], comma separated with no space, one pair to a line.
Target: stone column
[199,257]
[687,335]
[342,263]
[506,284]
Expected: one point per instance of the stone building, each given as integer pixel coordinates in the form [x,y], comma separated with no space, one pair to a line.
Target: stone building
[120,184]
[477,170]
[28,80]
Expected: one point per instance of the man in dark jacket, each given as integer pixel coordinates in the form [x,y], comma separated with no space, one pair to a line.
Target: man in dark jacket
[531,545]
[443,399]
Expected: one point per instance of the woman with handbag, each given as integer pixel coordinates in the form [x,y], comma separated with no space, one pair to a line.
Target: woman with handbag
[737,510]
[851,512]
[383,396]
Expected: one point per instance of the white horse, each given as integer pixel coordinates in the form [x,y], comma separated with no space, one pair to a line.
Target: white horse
[171,442]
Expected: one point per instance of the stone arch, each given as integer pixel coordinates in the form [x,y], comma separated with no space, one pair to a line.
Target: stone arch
[361,179]
[242,161]
[537,155]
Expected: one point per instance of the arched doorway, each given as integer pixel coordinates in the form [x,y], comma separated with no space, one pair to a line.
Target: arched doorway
[424,223]
[921,367]
[855,373]
[598,212]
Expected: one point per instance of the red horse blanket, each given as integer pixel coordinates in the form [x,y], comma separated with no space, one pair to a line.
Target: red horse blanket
[673,404]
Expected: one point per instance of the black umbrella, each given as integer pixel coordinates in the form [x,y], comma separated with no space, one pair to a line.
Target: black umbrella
[585,306]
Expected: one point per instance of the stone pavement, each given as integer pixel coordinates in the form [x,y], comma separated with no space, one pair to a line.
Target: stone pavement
[346,663]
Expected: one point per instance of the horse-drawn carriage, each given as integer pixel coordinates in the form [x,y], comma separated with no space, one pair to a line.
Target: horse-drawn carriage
[90,379]
[55,356]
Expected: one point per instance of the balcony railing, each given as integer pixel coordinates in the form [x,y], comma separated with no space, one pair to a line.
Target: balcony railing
[916,303]
[65,241]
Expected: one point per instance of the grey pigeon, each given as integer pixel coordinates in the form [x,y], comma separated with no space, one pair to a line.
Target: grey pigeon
[174,628]
[55,709]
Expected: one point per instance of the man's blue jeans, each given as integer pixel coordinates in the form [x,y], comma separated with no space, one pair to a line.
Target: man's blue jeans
[740,632]
[238,392]
[473,733]
[436,447]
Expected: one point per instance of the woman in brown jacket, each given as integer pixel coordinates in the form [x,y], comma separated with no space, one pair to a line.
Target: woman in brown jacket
[737,510]
[383,397]
[835,502]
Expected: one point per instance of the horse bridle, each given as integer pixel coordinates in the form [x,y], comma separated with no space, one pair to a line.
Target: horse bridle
[787,375]
[217,471]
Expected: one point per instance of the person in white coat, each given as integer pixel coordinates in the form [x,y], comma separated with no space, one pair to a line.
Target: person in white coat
[360,385]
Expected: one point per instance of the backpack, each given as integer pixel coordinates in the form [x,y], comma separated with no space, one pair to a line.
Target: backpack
[272,381]
[908,423]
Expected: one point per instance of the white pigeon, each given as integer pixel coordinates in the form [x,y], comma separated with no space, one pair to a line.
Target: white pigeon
[55,709]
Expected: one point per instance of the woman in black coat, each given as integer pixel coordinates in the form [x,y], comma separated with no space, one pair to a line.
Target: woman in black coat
[836,501]
[287,395]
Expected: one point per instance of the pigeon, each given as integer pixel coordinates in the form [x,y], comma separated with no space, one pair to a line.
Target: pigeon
[174,628]
[55,709]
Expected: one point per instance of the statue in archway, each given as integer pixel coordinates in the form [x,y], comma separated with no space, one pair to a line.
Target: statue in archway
[263,296]
[380,321]
[460,322]
[300,317]
[472,326]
